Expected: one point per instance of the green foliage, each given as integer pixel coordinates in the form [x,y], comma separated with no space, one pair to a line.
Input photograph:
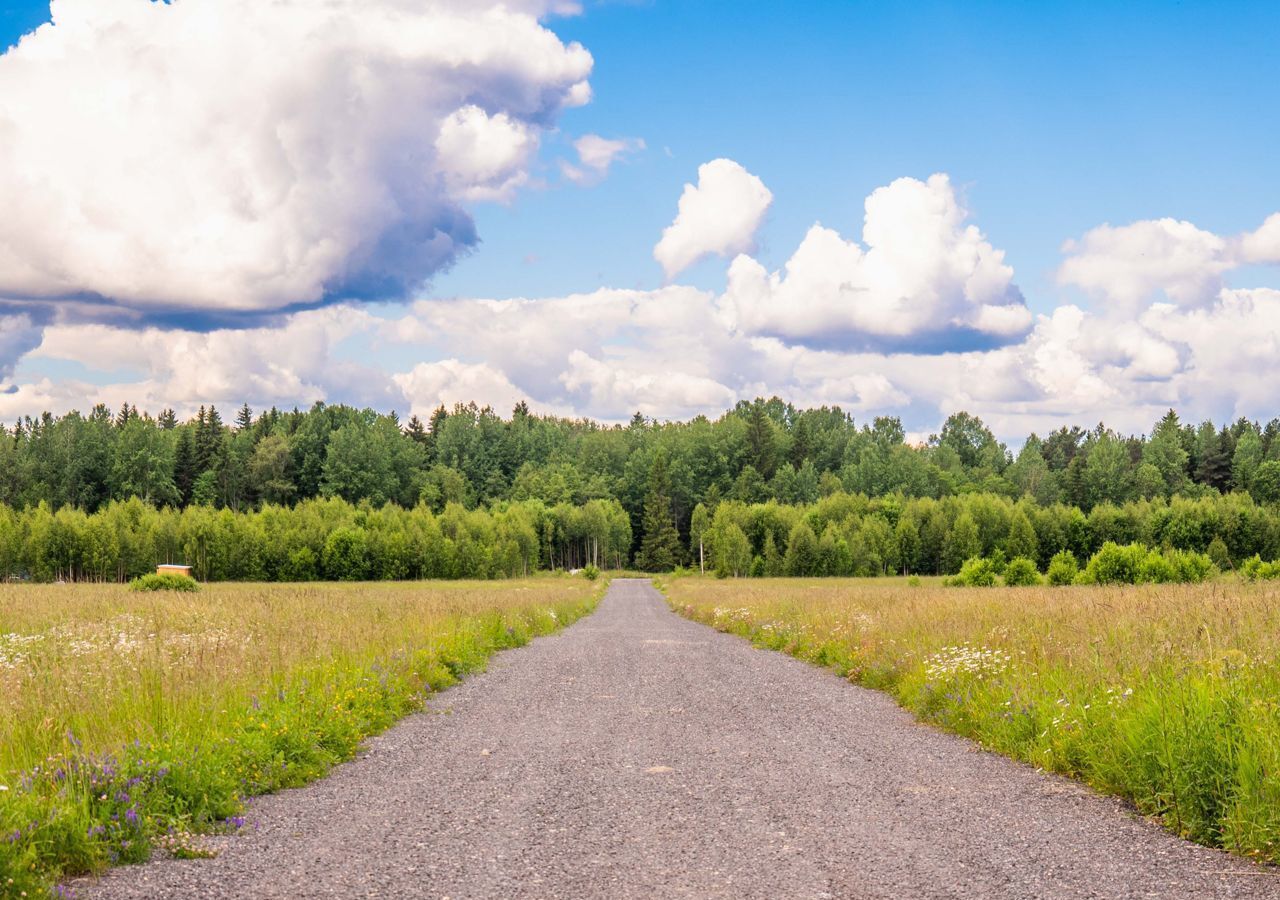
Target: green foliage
[591,573]
[660,546]
[801,559]
[1135,564]
[1115,564]
[1021,572]
[975,572]
[1063,568]
[1254,569]
[1218,553]
[164,582]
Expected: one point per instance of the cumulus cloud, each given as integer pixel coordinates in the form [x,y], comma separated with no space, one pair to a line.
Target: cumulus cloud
[291,364]
[248,156]
[430,385]
[596,155]
[919,319]
[616,390]
[1128,264]
[1131,265]
[925,280]
[717,217]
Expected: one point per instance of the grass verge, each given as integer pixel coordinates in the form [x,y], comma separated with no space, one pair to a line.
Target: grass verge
[130,721]
[1166,695]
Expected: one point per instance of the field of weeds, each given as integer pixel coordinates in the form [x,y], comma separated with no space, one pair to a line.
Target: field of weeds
[1166,695]
[130,721]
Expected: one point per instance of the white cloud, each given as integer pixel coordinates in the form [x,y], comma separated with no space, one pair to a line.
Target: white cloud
[616,390]
[484,157]
[1128,264]
[833,329]
[287,365]
[429,385]
[718,217]
[924,275]
[1262,246]
[596,155]
[250,155]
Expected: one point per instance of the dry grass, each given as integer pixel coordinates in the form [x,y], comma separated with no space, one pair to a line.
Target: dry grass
[1168,695]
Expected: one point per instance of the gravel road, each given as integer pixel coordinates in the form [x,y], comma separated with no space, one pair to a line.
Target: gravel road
[638,754]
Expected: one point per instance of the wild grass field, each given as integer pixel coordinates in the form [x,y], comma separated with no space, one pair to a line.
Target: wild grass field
[1166,695]
[134,720]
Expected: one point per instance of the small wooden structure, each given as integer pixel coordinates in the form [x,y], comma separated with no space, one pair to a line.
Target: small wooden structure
[167,569]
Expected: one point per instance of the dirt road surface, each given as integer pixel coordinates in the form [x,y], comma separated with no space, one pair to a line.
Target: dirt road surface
[638,754]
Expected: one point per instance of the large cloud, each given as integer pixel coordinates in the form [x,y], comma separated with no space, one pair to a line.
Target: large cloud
[678,351]
[926,280]
[1130,265]
[242,156]
[717,217]
[295,363]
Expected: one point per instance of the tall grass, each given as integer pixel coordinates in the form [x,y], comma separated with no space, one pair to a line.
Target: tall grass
[129,719]
[1167,695]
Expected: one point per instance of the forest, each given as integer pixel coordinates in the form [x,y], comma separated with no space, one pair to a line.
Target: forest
[337,492]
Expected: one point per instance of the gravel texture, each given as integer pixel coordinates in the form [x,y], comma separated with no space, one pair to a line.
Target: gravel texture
[638,754]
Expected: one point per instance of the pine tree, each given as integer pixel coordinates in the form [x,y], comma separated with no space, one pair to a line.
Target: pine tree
[660,546]
[416,432]
[1214,466]
[244,418]
[168,420]
[761,445]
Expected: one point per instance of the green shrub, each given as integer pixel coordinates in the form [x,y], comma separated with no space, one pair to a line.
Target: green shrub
[1063,568]
[998,561]
[976,572]
[1114,564]
[1254,569]
[914,581]
[1156,569]
[1135,564]
[591,573]
[1021,572]
[1190,567]
[154,582]
[1217,551]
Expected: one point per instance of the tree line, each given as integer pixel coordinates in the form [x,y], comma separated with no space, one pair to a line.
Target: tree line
[760,454]
[319,539]
[855,535]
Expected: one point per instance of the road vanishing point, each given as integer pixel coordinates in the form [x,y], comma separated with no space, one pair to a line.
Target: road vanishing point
[639,754]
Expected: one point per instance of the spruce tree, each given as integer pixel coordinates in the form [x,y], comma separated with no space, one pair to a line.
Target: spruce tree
[416,432]
[660,546]
[184,466]
[244,418]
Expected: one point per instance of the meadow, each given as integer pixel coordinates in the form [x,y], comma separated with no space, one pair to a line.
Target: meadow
[1165,695]
[131,721]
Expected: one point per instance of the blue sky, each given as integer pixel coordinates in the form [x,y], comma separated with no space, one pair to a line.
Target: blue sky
[1054,118]
[1050,120]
